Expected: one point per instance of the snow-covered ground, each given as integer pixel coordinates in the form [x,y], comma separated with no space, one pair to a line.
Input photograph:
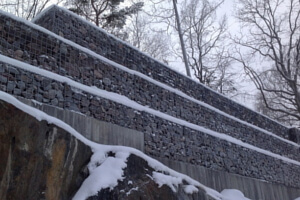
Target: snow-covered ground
[106,171]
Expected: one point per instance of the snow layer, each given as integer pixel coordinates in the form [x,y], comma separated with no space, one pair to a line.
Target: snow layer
[190,189]
[105,172]
[232,194]
[163,179]
[132,104]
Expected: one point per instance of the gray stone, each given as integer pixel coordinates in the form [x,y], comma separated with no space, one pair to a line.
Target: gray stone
[52,94]
[84,102]
[63,49]
[55,85]
[26,79]
[13,71]
[38,97]
[46,84]
[3,87]
[45,100]
[42,59]
[59,95]
[4,43]
[27,94]
[3,79]
[11,86]
[34,62]
[107,81]
[74,107]
[17,91]
[21,84]
[77,96]
[18,54]
[82,56]
[54,102]
[26,55]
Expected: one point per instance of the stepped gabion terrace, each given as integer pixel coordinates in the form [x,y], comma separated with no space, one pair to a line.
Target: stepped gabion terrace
[181,120]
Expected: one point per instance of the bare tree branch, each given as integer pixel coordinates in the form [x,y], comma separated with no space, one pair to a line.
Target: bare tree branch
[274,37]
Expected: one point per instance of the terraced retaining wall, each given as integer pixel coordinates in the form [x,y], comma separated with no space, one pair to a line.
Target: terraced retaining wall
[62,57]
[72,27]
[163,138]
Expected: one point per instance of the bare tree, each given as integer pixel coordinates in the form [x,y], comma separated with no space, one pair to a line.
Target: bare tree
[204,37]
[281,117]
[154,42]
[271,33]
[26,9]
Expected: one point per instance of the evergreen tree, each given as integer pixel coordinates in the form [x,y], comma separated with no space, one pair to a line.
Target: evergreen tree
[108,14]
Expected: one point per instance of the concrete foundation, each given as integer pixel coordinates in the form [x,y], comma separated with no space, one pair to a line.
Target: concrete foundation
[93,129]
[254,189]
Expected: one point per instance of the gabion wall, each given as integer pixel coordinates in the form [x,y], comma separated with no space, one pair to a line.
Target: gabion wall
[66,24]
[54,55]
[162,138]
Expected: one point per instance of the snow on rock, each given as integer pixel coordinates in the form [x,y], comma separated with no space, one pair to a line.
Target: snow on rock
[105,171]
[163,179]
[190,189]
[233,194]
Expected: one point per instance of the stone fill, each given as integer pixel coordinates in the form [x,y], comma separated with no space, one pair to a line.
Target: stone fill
[148,83]
[74,28]
[166,139]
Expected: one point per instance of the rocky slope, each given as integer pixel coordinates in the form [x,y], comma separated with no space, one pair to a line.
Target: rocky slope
[41,161]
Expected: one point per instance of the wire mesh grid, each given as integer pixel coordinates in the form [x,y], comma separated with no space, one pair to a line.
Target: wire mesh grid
[22,83]
[37,48]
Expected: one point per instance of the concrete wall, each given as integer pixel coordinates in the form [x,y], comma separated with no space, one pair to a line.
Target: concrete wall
[93,129]
[254,189]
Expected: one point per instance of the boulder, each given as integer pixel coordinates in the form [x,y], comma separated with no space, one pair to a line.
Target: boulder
[138,184]
[38,160]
